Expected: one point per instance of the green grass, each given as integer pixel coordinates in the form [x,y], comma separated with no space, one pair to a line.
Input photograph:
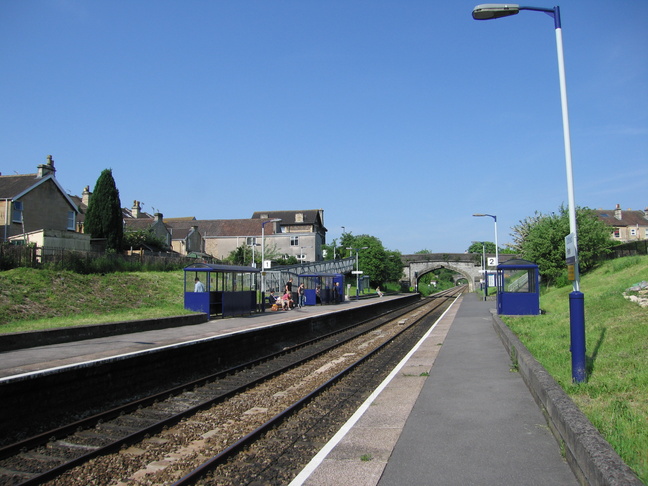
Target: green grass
[43,299]
[615,397]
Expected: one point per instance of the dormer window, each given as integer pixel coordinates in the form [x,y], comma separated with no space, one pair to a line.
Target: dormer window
[299,217]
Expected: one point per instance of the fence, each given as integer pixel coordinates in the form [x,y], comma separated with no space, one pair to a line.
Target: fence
[12,256]
[627,249]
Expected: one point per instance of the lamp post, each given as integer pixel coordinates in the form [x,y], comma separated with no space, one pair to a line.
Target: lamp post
[357,272]
[276,220]
[483,266]
[496,244]
[576,300]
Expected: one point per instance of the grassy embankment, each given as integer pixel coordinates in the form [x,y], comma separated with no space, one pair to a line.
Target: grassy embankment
[615,397]
[43,299]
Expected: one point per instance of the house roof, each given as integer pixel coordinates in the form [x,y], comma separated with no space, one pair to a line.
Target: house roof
[15,186]
[127,213]
[310,216]
[628,217]
[135,224]
[10,186]
[181,233]
[185,218]
[219,227]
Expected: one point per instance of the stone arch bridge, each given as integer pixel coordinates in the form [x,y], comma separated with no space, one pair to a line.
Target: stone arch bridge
[468,265]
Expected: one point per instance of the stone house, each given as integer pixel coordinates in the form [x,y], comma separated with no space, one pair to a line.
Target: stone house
[34,208]
[626,225]
[300,233]
[137,220]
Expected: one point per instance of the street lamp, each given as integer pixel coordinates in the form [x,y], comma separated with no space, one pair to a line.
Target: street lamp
[496,244]
[357,272]
[483,265]
[276,220]
[576,298]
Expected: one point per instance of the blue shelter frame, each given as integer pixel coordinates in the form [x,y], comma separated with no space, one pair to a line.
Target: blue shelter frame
[518,288]
[320,288]
[228,290]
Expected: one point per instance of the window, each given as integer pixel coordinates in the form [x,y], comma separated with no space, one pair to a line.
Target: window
[294,241]
[71,222]
[616,233]
[633,231]
[17,212]
[251,241]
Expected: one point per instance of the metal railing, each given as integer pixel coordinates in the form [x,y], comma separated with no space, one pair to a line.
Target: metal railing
[276,278]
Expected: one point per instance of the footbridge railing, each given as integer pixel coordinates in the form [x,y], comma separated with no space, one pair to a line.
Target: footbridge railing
[276,278]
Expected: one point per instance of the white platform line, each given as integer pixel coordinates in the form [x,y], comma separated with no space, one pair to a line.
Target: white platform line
[321,455]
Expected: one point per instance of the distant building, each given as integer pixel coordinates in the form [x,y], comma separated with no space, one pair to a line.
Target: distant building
[34,208]
[300,233]
[625,225]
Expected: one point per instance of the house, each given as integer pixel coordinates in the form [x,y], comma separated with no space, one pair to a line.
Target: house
[219,237]
[188,241]
[300,234]
[626,225]
[34,208]
[137,220]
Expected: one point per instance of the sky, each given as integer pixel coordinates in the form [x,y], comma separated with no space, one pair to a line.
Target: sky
[399,118]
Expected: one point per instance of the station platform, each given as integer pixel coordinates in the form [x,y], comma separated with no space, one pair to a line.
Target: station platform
[53,356]
[472,421]
[452,412]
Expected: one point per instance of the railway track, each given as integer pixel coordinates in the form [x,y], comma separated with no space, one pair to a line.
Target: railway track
[203,424]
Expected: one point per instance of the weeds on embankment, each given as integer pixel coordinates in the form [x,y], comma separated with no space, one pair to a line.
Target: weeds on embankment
[615,397]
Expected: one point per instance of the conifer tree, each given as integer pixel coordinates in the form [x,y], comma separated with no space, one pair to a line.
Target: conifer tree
[104,217]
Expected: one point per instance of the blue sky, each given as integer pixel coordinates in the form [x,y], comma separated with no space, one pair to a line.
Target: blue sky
[400,118]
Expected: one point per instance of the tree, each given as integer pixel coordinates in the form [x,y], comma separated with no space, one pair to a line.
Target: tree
[140,238]
[104,217]
[379,264]
[542,241]
[477,247]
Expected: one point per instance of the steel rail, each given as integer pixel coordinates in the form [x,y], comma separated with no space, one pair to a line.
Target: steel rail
[223,456]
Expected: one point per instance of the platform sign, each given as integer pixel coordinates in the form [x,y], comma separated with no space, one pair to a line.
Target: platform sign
[570,249]
[357,272]
[491,261]
[267,263]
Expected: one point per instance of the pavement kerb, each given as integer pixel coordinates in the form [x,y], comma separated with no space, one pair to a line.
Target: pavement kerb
[591,458]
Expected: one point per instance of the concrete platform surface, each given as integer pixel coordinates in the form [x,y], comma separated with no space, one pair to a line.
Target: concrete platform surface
[472,421]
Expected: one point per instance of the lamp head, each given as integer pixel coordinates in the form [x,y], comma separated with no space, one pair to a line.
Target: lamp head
[489,11]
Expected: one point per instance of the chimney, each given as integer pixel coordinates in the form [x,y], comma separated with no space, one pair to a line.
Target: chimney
[137,209]
[85,195]
[157,217]
[46,169]
[617,212]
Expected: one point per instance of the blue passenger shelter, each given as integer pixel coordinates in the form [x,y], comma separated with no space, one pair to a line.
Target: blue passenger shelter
[227,290]
[320,288]
[518,288]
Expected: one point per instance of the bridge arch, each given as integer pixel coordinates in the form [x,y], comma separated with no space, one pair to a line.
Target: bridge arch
[418,274]
[466,264]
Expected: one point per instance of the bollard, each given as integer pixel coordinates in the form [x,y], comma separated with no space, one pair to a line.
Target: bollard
[577,334]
